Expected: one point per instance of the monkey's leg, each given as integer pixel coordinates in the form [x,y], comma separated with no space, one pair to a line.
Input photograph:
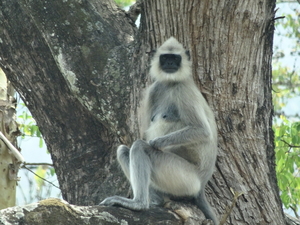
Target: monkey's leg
[123,159]
[139,174]
[156,197]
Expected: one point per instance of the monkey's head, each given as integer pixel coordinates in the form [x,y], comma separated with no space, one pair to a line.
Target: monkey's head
[171,62]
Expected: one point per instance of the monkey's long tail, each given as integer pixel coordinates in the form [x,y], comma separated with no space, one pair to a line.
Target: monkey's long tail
[203,204]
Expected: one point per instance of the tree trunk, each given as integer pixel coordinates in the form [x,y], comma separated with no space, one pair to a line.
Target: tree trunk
[9,166]
[81,67]
[65,53]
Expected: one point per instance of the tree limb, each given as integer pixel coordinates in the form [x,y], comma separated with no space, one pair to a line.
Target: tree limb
[60,212]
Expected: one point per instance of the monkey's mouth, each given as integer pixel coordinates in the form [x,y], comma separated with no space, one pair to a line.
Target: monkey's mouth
[170,70]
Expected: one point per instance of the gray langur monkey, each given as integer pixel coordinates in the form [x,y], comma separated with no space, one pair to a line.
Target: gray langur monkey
[178,157]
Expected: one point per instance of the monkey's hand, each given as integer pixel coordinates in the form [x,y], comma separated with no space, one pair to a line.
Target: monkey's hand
[156,144]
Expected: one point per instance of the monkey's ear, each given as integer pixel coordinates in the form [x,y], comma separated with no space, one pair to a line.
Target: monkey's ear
[151,53]
[187,52]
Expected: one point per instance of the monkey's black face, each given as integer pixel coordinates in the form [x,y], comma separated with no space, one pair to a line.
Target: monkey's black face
[170,63]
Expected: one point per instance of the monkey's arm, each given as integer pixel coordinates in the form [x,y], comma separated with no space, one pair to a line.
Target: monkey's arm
[187,135]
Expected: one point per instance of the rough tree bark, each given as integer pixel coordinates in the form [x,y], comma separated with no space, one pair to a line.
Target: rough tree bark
[81,67]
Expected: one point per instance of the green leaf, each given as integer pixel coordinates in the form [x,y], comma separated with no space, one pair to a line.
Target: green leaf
[285,199]
[52,171]
[41,142]
[41,172]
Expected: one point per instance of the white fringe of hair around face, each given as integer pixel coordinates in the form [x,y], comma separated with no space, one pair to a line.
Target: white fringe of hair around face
[171,46]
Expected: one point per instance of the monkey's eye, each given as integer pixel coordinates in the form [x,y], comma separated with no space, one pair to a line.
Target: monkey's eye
[170,57]
[164,57]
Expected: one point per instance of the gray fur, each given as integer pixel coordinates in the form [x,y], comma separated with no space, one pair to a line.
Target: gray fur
[178,157]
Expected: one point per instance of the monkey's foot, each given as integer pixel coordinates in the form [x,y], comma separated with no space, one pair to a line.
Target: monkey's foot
[124,202]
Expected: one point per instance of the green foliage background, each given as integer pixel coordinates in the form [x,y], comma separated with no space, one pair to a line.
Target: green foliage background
[124,3]
[286,85]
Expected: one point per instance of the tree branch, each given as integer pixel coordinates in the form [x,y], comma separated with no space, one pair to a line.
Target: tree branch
[61,212]
[291,220]
[39,176]
[15,151]
[37,164]
[291,146]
